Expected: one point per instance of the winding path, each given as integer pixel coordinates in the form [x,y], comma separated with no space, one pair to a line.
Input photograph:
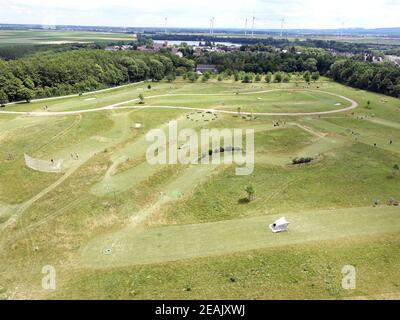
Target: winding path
[119,106]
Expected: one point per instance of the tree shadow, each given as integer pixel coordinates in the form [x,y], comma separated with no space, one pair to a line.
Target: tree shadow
[243,201]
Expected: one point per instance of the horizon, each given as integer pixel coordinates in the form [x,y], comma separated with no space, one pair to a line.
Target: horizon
[298,14]
[192,28]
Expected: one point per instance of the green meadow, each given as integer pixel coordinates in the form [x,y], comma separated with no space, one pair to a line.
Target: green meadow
[114,226]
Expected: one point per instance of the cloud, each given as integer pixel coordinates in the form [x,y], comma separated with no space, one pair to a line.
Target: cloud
[190,13]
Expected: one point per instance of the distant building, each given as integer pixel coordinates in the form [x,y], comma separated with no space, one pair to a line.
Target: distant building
[176,52]
[394,59]
[370,57]
[118,48]
[113,48]
[157,47]
[201,68]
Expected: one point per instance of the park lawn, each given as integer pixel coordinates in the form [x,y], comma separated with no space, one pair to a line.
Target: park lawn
[347,175]
[302,271]
[369,128]
[282,141]
[136,246]
[273,101]
[43,140]
[325,184]
[65,219]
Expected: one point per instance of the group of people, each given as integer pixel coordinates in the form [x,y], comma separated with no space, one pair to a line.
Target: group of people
[279,123]
[75,156]
[356,135]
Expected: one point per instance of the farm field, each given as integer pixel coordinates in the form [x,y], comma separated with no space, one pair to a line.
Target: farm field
[44,36]
[58,37]
[116,227]
[367,39]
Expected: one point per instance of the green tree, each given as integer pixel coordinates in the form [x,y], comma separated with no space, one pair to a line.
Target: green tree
[287,77]
[307,76]
[268,77]
[192,76]
[157,70]
[29,83]
[206,76]
[278,77]
[250,193]
[25,94]
[311,64]
[248,78]
[170,77]
[315,76]
[3,98]
[141,98]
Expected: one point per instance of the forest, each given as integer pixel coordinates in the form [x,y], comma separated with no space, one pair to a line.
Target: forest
[48,74]
[382,78]
[263,59]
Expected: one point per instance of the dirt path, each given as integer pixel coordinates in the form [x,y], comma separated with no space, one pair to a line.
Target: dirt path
[119,106]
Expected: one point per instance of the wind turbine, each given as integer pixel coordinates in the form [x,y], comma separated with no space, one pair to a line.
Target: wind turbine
[166,24]
[252,27]
[342,31]
[282,25]
[245,27]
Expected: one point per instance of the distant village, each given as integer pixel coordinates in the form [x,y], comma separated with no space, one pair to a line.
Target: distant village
[204,47]
[199,50]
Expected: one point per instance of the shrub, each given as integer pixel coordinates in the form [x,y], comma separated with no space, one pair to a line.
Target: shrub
[302,160]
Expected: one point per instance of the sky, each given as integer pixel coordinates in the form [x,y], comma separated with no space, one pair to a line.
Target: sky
[298,14]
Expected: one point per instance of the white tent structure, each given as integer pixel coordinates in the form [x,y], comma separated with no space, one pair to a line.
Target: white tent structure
[280,225]
[54,166]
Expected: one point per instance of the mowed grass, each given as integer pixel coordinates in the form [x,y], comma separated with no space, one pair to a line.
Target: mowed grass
[92,100]
[282,141]
[347,177]
[155,245]
[329,203]
[302,271]
[273,101]
[42,140]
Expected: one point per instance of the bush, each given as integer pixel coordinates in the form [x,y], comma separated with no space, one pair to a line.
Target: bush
[303,160]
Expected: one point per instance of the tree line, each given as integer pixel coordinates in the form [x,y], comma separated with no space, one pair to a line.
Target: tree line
[382,78]
[352,71]
[270,59]
[54,74]
[338,46]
